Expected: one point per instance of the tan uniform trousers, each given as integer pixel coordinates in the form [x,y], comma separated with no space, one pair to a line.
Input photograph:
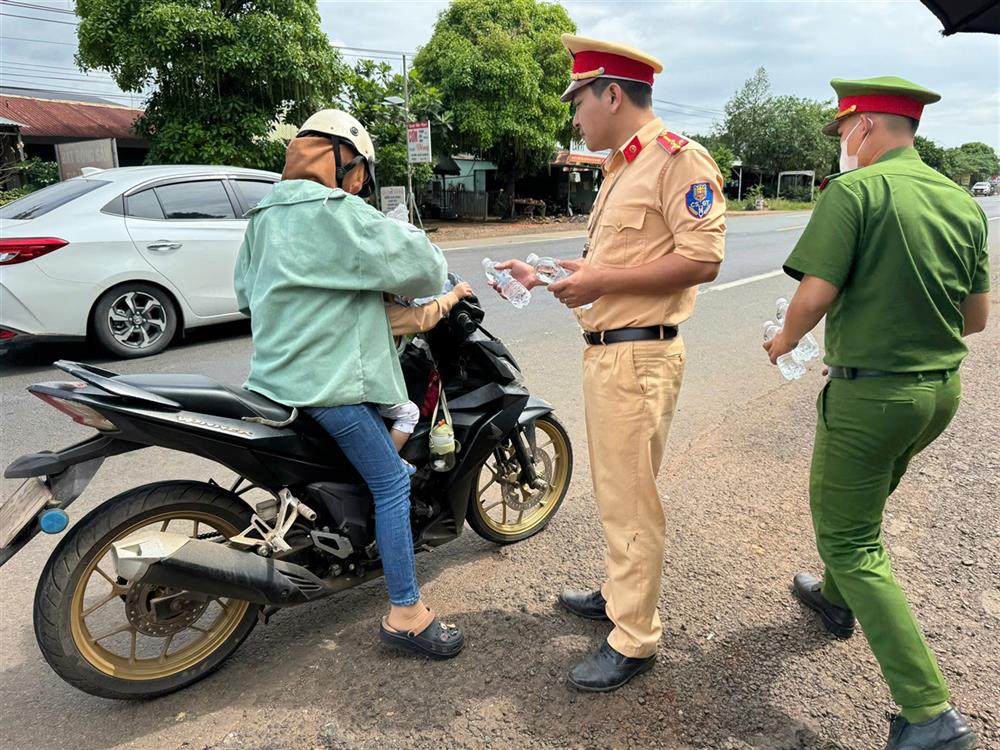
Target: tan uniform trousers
[630,392]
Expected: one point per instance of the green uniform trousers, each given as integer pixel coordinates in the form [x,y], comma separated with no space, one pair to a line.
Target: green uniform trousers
[867,431]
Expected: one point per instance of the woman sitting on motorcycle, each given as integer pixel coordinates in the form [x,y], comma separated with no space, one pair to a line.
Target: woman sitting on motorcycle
[311,274]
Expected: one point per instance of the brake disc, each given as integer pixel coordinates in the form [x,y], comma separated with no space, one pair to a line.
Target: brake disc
[516,498]
[145,605]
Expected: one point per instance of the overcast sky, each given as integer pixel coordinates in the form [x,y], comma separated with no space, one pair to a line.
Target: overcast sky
[708,49]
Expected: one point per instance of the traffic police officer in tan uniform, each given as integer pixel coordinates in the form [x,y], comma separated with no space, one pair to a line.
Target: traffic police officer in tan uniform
[656,232]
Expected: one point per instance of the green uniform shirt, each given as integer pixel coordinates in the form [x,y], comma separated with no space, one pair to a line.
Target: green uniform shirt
[905,246]
[311,274]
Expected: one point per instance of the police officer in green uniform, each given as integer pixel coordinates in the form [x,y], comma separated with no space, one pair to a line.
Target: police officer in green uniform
[895,256]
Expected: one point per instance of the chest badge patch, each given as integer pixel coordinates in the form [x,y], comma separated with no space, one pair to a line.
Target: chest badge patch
[699,199]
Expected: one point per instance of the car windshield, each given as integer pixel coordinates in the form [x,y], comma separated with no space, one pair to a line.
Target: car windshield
[42,201]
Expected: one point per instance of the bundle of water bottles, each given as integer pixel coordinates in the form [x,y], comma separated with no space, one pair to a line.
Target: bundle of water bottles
[547,271]
[793,364]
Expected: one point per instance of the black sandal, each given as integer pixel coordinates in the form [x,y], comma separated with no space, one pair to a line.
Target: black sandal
[436,641]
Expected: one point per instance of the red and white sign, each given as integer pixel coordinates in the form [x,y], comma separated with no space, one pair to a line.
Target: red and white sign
[418,142]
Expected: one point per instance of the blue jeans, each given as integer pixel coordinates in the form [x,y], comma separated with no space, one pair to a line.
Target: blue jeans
[362,436]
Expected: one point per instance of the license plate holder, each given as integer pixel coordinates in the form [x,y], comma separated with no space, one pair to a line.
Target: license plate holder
[20,509]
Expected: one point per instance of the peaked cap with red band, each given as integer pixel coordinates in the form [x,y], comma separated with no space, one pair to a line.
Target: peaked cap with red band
[594,59]
[887,94]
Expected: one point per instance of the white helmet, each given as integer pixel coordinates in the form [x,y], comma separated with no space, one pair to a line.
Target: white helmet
[342,128]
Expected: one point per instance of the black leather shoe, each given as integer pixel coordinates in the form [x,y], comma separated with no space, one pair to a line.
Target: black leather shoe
[947,731]
[589,604]
[837,620]
[606,670]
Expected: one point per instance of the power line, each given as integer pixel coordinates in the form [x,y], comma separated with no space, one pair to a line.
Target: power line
[33,76]
[61,69]
[674,113]
[97,94]
[36,41]
[44,20]
[35,6]
[707,110]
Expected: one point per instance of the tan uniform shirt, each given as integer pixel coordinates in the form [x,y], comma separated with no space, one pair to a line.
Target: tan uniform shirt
[657,198]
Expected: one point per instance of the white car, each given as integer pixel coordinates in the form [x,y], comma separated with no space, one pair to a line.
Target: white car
[982,188]
[127,256]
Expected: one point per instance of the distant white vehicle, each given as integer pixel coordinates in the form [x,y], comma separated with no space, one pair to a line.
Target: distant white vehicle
[126,256]
[982,188]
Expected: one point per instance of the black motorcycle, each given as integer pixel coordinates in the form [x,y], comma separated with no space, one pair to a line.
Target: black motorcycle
[153,589]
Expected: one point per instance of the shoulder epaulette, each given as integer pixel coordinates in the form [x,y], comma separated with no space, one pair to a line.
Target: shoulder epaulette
[671,142]
[828,179]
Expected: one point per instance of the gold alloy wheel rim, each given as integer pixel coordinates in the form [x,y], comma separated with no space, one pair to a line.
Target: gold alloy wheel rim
[503,519]
[131,666]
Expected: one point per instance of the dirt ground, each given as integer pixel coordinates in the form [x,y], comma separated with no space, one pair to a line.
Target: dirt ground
[448,231]
[742,665]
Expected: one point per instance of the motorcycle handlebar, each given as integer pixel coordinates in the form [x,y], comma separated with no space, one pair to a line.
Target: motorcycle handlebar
[465,322]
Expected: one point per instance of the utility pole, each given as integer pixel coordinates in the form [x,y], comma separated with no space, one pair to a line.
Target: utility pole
[406,124]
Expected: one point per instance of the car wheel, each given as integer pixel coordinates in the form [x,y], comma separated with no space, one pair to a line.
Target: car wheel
[134,320]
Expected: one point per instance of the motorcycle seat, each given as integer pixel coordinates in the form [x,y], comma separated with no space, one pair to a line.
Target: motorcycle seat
[206,396]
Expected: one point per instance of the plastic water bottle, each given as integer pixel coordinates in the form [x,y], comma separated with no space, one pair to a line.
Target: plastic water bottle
[400,214]
[443,446]
[506,285]
[548,271]
[789,366]
[808,348]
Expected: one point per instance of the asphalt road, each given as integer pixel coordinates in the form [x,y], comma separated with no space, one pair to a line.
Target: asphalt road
[298,682]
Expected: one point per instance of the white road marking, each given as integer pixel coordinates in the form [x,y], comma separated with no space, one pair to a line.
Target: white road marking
[742,282]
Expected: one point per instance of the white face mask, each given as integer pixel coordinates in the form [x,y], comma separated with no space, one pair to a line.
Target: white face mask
[848,163]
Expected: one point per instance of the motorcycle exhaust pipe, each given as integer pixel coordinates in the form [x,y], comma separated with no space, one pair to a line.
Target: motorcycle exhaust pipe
[213,569]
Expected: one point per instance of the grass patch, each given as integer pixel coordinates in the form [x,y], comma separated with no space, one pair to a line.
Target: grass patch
[772,204]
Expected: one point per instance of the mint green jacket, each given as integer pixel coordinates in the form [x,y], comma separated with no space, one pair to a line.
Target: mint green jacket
[311,274]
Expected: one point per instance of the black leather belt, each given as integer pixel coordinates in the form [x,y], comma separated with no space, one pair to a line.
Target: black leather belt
[852,373]
[620,335]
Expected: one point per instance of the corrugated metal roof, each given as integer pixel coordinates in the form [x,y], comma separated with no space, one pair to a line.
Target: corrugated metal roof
[50,118]
[10,123]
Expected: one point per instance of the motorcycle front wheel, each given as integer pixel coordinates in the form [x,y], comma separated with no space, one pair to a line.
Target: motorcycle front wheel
[500,509]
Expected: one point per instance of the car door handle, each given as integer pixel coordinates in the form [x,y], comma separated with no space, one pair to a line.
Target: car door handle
[164,245]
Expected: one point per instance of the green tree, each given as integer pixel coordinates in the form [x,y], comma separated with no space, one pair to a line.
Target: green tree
[749,120]
[932,154]
[501,69]
[795,137]
[971,162]
[368,85]
[222,73]
[724,157]
[773,134]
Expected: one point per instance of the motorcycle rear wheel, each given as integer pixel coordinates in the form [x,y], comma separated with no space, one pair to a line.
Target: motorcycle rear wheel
[101,634]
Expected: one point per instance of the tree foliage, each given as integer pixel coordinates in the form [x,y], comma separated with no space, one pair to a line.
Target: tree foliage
[772,134]
[749,114]
[501,68]
[971,162]
[222,73]
[368,85]
[931,153]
